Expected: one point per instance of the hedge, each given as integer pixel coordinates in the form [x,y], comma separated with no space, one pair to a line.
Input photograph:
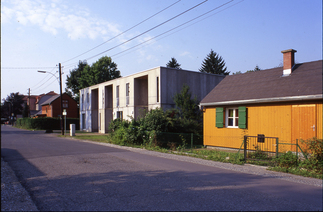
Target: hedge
[46,123]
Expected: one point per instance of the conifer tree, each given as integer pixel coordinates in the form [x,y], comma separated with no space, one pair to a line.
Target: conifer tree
[214,64]
[173,64]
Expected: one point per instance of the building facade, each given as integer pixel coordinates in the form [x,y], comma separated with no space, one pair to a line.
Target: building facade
[131,96]
[52,106]
[283,102]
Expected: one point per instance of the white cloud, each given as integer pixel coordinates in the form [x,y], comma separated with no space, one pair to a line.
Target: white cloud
[185,53]
[55,17]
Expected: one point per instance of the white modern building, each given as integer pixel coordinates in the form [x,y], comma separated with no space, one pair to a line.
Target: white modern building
[132,95]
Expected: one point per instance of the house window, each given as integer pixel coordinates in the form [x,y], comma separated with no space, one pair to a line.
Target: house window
[87,97]
[65,103]
[157,89]
[82,100]
[83,122]
[232,117]
[127,93]
[117,95]
[119,115]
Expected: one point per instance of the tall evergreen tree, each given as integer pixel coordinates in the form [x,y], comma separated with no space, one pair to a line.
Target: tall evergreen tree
[188,107]
[214,64]
[173,64]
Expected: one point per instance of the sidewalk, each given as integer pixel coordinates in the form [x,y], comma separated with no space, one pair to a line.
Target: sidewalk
[14,197]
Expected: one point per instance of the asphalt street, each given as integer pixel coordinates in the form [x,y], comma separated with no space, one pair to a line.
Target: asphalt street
[63,174]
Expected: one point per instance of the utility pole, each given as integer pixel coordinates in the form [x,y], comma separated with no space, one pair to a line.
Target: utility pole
[60,85]
[28,102]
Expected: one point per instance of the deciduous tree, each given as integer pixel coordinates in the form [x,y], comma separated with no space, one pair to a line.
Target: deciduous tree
[12,104]
[85,75]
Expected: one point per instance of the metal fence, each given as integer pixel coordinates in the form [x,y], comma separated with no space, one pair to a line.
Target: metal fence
[265,148]
[260,147]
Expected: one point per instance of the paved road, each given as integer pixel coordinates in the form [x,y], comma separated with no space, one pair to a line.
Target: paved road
[64,174]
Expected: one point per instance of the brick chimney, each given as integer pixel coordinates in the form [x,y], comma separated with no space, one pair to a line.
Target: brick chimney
[289,61]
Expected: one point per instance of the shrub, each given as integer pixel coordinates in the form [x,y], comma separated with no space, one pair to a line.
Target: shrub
[46,123]
[314,149]
[286,160]
[155,120]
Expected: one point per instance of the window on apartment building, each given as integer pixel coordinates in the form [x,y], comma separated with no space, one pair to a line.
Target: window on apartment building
[127,93]
[65,103]
[117,95]
[83,122]
[157,89]
[82,100]
[119,115]
[234,117]
[87,97]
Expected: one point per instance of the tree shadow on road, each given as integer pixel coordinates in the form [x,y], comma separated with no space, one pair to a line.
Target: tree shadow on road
[161,190]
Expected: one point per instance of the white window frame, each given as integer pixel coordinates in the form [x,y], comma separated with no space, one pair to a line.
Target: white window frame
[235,116]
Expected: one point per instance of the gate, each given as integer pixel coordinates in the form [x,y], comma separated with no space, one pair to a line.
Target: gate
[260,147]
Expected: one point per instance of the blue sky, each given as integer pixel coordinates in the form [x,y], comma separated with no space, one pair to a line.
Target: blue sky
[39,34]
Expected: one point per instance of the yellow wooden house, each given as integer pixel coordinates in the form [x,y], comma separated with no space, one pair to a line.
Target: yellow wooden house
[283,102]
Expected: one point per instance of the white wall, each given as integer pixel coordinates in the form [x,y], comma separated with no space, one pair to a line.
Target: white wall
[170,83]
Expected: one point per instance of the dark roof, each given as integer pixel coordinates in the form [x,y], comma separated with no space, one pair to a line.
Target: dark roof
[306,79]
[50,100]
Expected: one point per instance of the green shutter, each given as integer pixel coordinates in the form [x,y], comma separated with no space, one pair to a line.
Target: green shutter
[242,117]
[219,117]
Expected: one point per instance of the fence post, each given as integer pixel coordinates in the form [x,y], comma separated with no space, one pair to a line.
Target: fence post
[277,147]
[245,147]
[296,152]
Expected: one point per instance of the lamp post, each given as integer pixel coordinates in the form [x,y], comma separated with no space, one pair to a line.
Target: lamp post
[60,90]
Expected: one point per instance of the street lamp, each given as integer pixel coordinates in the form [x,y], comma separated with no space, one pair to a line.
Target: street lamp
[60,88]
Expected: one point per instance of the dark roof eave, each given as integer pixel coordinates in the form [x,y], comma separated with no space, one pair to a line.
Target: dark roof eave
[265,100]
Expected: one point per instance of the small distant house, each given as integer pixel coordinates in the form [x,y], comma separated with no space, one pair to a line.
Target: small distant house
[131,96]
[40,100]
[283,102]
[51,107]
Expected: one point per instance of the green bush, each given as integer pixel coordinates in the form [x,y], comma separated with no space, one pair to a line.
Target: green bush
[286,160]
[151,129]
[314,151]
[46,123]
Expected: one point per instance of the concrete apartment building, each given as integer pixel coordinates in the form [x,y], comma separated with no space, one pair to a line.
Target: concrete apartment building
[132,95]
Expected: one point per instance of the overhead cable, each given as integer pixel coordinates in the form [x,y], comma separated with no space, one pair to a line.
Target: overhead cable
[27,67]
[148,30]
[177,27]
[123,32]
[40,81]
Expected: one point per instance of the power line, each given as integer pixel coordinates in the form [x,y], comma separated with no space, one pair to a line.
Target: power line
[26,67]
[123,31]
[147,30]
[45,82]
[179,26]
[44,78]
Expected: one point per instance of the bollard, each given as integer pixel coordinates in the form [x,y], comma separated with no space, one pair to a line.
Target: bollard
[72,129]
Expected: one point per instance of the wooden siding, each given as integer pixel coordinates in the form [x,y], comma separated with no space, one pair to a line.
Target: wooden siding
[319,117]
[288,122]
